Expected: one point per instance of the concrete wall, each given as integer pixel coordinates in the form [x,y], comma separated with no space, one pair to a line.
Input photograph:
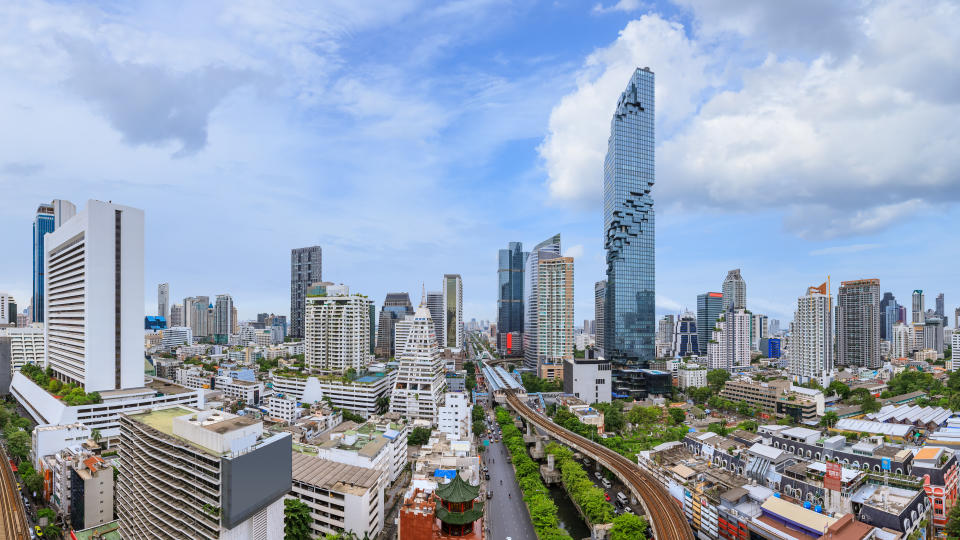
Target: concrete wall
[256,479]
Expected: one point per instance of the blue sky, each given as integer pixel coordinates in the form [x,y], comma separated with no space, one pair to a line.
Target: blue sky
[412,139]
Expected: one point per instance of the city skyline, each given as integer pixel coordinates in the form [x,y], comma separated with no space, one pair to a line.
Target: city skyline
[286,184]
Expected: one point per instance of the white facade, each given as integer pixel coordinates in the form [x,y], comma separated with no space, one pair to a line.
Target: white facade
[811,341]
[341,497]
[453,311]
[48,440]
[901,342]
[337,332]
[418,392]
[455,416]
[955,357]
[223,322]
[691,376]
[555,310]
[283,408]
[378,444]
[163,301]
[359,396]
[26,346]
[730,346]
[734,291]
[401,331]
[589,380]
[5,300]
[94,271]
[176,336]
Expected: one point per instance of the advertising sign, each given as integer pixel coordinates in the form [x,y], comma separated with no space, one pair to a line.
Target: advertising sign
[834,476]
[885,463]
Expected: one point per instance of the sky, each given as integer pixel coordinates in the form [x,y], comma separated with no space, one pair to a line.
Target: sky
[795,140]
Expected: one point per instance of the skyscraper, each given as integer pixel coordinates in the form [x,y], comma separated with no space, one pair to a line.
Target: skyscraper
[734,291]
[510,294]
[887,299]
[546,249]
[395,307]
[599,311]
[940,311]
[337,332]
[858,323]
[628,225]
[176,316]
[418,392]
[435,305]
[223,320]
[729,346]
[163,301]
[49,217]
[555,314]
[919,307]
[665,330]
[811,339]
[195,315]
[94,298]
[686,336]
[453,311]
[709,306]
[306,267]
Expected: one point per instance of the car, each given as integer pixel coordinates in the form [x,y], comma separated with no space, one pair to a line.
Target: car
[606,496]
[489,494]
[36,529]
[486,476]
[597,474]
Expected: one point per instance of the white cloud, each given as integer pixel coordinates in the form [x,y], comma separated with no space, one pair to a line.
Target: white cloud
[668,304]
[621,5]
[575,251]
[847,138]
[842,250]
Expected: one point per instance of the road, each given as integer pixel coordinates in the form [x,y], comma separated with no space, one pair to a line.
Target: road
[13,523]
[666,517]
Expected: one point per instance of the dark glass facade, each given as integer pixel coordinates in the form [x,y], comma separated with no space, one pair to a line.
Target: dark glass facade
[628,177]
[510,289]
[709,306]
[306,268]
[43,224]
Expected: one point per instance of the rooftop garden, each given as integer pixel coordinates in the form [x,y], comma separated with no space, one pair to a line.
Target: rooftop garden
[69,393]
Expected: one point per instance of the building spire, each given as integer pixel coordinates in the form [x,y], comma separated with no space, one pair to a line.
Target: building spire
[423,294]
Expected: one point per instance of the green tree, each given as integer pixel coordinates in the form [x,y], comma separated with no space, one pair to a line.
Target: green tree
[719,428]
[677,415]
[744,409]
[383,404]
[830,419]
[96,435]
[296,520]
[52,531]
[478,427]
[869,404]
[748,425]
[716,378]
[628,527]
[419,436]
[18,444]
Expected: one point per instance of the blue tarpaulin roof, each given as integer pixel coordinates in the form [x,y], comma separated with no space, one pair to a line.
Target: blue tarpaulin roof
[445,473]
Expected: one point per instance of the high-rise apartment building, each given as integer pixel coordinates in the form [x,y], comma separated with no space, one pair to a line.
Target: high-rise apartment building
[176,316]
[811,339]
[163,301]
[395,307]
[337,332]
[195,311]
[555,312]
[686,337]
[858,323]
[901,340]
[940,310]
[599,311]
[93,298]
[547,249]
[709,307]
[918,314]
[665,329]
[628,225]
[453,311]
[729,346]
[8,310]
[435,305]
[205,475]
[734,291]
[510,293]
[885,302]
[759,330]
[223,318]
[49,217]
[306,268]
[418,392]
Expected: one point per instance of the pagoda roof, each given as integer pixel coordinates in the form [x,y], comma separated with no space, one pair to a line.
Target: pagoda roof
[460,518]
[457,491]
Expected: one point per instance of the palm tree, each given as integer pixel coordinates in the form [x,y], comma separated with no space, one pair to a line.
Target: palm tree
[829,419]
[383,402]
[96,436]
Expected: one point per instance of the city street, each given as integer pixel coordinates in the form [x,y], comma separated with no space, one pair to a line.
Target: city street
[506,514]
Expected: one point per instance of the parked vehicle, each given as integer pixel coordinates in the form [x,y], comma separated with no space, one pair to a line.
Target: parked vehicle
[598,475]
[606,483]
[622,498]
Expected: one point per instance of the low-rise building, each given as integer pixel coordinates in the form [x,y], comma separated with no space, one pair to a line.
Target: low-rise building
[444,456]
[454,417]
[282,408]
[26,346]
[91,493]
[588,379]
[341,497]
[361,395]
[177,336]
[691,376]
[378,443]
[583,411]
[48,440]
[773,398]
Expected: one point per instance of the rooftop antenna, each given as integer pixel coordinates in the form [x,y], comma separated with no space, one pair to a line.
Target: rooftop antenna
[423,294]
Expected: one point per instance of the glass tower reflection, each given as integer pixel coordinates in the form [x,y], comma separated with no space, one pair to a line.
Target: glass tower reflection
[628,177]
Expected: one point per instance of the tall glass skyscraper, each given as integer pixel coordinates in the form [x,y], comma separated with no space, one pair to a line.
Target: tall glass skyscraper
[510,292]
[547,249]
[42,224]
[709,307]
[628,226]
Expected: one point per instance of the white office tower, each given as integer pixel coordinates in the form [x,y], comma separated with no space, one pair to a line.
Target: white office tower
[455,416]
[204,475]
[453,311]
[665,329]
[223,322]
[955,345]
[5,303]
[758,331]
[94,298]
[26,346]
[435,305]
[418,392]
[401,331]
[176,336]
[163,302]
[811,341]
[917,313]
[901,340]
[337,331]
[729,347]
[63,211]
[734,291]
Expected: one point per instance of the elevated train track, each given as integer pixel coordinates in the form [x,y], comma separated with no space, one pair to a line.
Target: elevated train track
[664,514]
[13,524]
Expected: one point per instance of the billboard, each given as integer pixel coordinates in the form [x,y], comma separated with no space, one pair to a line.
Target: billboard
[834,476]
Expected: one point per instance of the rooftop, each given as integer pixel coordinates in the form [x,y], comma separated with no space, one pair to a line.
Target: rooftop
[328,474]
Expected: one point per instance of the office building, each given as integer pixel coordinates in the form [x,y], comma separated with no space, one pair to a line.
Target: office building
[811,340]
[195,313]
[954,362]
[510,294]
[940,310]
[729,347]
[555,312]
[342,498]
[709,306]
[401,331]
[337,332]
[734,291]
[8,310]
[453,312]
[175,337]
[774,347]
[223,319]
[547,249]
[395,307]
[691,375]
[686,336]
[94,298]
[628,222]
[26,346]
[858,323]
[599,309]
[918,314]
[665,329]
[418,391]
[455,416]
[589,379]
[201,475]
[176,316]
[362,395]
[163,301]
[49,217]
[886,302]
[435,305]
[933,335]
[890,317]
[306,268]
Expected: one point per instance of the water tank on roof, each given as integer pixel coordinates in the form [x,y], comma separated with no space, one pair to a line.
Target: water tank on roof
[806,504]
[818,509]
